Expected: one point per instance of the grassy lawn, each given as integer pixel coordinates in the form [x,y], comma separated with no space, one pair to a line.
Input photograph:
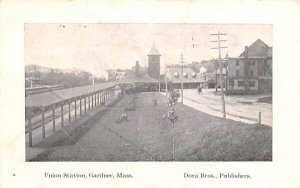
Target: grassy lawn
[265,100]
[147,136]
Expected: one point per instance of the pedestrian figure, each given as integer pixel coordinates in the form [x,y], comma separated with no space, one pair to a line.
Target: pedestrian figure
[124,117]
[199,89]
[155,102]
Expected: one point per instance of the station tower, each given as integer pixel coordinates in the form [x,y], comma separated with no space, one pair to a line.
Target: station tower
[154,62]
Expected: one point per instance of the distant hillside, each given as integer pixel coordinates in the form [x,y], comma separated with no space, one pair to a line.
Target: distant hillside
[33,68]
[64,77]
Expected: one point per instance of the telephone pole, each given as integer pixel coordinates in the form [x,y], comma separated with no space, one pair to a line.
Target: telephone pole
[181,78]
[221,68]
[166,79]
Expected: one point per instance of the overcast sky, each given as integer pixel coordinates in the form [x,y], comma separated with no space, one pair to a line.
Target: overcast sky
[98,47]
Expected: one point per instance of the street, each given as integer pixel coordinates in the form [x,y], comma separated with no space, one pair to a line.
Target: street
[242,108]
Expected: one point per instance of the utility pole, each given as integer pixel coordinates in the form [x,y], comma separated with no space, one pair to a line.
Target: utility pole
[166,79]
[181,78]
[226,79]
[216,85]
[158,84]
[221,68]
[34,77]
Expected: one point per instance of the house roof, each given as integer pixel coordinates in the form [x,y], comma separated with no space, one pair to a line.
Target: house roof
[223,71]
[174,74]
[153,50]
[132,78]
[252,57]
[257,49]
[210,66]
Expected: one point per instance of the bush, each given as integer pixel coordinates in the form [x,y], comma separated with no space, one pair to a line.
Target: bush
[129,108]
[122,118]
[172,101]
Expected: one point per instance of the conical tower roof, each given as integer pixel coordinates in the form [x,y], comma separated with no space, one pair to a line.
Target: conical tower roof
[154,50]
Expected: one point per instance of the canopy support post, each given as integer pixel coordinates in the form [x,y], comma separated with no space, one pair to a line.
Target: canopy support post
[75,108]
[53,118]
[89,102]
[92,101]
[84,105]
[29,115]
[62,114]
[80,111]
[69,111]
[43,123]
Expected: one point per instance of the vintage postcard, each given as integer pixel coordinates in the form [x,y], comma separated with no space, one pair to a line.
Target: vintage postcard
[143,92]
[102,100]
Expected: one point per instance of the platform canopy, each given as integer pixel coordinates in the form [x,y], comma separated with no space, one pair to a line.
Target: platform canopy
[46,99]
[132,78]
[49,98]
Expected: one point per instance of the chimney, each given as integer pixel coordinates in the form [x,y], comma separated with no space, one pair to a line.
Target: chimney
[246,51]
[137,68]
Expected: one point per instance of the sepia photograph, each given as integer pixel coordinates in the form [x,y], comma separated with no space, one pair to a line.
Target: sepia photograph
[117,92]
[149,94]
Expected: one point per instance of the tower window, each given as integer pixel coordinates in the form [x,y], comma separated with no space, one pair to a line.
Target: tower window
[252,63]
[251,73]
[252,83]
[241,83]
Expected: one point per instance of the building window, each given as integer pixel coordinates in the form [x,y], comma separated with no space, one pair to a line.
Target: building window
[252,63]
[252,83]
[237,63]
[241,83]
[237,72]
[251,73]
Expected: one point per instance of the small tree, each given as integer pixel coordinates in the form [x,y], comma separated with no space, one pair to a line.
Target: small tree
[171,114]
